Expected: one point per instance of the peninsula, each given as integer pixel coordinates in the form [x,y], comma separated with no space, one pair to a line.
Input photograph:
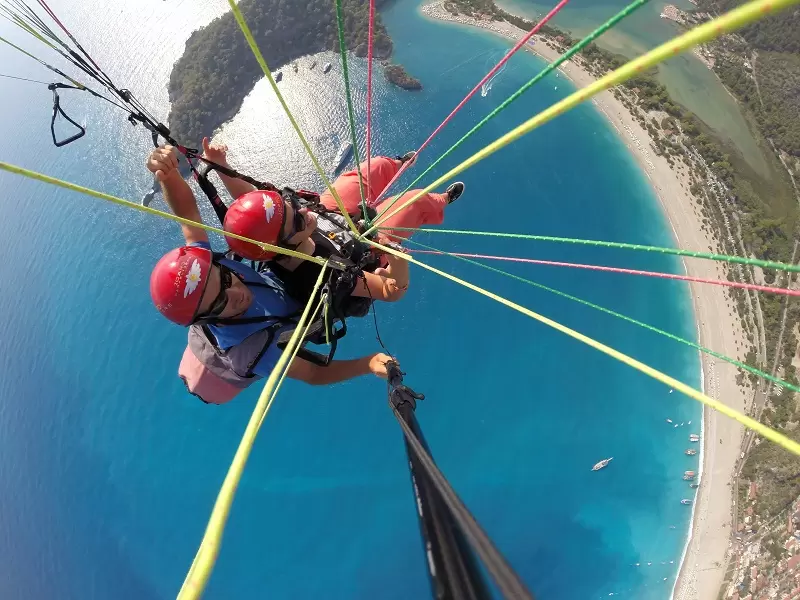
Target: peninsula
[217,69]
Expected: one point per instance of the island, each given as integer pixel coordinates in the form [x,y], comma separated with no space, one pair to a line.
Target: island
[217,70]
[397,75]
[745,535]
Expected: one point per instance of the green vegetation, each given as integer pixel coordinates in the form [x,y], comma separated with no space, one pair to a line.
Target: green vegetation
[217,70]
[768,52]
[777,473]
[398,76]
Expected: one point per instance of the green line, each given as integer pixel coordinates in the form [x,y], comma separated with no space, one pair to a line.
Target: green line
[268,74]
[608,311]
[756,262]
[546,71]
[350,114]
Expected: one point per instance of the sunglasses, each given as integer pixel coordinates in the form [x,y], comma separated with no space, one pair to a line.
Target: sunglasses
[221,301]
[299,220]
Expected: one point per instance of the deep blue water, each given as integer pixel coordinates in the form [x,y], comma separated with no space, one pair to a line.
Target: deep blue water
[109,469]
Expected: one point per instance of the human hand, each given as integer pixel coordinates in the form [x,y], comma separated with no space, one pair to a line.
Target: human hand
[377,364]
[163,162]
[390,242]
[217,153]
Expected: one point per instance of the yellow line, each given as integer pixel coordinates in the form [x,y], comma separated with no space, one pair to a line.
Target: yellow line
[759,428]
[734,19]
[127,203]
[251,41]
[206,556]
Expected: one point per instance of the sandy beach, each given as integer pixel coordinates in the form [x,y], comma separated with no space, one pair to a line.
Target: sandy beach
[702,567]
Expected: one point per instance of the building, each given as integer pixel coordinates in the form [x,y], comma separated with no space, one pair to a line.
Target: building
[792,563]
[751,493]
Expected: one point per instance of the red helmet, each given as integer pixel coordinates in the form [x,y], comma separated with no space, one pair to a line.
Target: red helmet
[178,281]
[258,215]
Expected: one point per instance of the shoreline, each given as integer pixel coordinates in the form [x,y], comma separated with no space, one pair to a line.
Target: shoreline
[701,568]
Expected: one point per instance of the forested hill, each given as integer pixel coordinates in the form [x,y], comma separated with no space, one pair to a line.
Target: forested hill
[217,69]
[761,65]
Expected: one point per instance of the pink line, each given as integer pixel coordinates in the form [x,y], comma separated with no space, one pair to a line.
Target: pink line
[486,78]
[370,40]
[734,284]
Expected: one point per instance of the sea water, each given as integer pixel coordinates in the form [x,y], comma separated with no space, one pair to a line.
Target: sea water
[110,468]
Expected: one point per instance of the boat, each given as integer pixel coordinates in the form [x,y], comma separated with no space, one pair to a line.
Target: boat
[326,67]
[671,391]
[313,64]
[278,76]
[690,452]
[694,486]
[555,88]
[602,464]
[686,501]
[669,420]
[294,66]
[693,437]
[343,156]
[689,475]
[486,87]
[682,423]
[690,423]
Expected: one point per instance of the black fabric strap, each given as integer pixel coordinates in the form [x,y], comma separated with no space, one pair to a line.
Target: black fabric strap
[403,402]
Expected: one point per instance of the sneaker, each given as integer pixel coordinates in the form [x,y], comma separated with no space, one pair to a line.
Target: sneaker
[454,191]
[409,157]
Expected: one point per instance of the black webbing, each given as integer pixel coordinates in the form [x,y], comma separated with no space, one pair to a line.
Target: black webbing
[448,575]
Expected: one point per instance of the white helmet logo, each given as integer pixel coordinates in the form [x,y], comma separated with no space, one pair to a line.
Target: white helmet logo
[269,207]
[192,279]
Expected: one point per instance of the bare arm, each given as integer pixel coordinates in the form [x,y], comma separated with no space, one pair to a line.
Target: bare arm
[218,154]
[379,286]
[338,370]
[389,284]
[163,162]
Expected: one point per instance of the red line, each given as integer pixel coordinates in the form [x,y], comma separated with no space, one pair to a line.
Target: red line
[733,284]
[370,40]
[486,77]
[53,16]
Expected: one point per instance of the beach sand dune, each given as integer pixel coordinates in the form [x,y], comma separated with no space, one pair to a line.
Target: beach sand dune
[703,564]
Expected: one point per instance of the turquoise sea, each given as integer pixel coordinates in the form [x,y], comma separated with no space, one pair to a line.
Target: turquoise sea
[109,469]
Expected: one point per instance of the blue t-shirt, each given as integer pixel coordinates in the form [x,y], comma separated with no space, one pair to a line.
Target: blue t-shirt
[267,301]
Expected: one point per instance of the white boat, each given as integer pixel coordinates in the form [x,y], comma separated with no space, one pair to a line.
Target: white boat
[487,87]
[671,391]
[693,437]
[326,68]
[690,423]
[294,67]
[669,420]
[686,501]
[690,452]
[602,464]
